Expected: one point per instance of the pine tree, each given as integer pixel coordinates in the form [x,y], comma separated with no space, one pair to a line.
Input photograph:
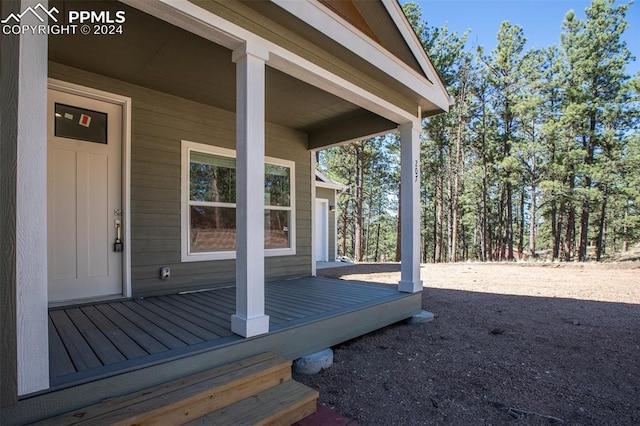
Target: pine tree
[597,57]
[504,77]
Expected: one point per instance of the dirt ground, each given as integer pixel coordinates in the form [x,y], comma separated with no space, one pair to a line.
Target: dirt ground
[529,344]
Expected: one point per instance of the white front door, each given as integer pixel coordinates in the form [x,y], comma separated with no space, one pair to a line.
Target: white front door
[84,197]
[322,230]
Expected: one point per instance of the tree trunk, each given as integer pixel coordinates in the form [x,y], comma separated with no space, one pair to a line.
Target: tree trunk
[450,248]
[457,169]
[569,238]
[521,225]
[424,234]
[589,145]
[437,257]
[556,226]
[533,211]
[584,227]
[345,223]
[625,230]
[358,213]
[399,228]
[570,234]
[509,222]
[485,231]
[377,251]
[601,226]
[499,238]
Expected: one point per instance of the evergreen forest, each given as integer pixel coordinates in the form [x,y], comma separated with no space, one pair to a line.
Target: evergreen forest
[539,156]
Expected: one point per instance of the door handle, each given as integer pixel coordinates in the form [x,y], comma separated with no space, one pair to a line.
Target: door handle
[118,246]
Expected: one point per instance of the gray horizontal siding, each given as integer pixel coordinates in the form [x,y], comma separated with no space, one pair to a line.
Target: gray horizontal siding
[159,123]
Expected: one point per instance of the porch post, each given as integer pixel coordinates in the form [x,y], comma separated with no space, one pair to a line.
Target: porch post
[23,161]
[249,319]
[410,206]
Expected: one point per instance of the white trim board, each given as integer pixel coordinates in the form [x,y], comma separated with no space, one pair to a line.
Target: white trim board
[324,203]
[326,21]
[325,182]
[186,256]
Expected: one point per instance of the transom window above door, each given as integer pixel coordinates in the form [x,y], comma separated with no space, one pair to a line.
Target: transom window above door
[209,204]
[79,123]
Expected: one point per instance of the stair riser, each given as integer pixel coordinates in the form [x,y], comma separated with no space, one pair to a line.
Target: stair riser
[199,405]
[292,414]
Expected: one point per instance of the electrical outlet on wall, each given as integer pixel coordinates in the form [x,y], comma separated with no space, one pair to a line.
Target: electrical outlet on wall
[165,273]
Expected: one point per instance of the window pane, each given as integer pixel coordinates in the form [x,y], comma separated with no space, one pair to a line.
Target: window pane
[212,228]
[276,229]
[277,186]
[79,123]
[212,178]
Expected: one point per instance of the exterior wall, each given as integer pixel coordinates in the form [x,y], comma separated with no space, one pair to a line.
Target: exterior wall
[159,123]
[330,194]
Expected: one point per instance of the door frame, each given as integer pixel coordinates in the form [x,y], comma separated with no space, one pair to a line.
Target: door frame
[125,103]
[325,219]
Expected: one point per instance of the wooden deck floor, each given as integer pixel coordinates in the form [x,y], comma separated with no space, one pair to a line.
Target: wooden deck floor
[107,338]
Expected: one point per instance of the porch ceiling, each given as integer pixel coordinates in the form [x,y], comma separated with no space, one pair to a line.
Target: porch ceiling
[163,57]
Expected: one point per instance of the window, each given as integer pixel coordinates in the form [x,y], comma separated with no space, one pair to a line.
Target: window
[79,123]
[209,204]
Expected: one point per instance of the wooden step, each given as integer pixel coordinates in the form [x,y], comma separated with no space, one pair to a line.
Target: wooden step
[284,404]
[186,399]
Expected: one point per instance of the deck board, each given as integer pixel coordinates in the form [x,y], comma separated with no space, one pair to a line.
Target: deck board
[59,362]
[222,312]
[102,347]
[216,319]
[126,345]
[149,327]
[188,314]
[79,350]
[310,305]
[138,332]
[145,340]
[227,301]
[169,322]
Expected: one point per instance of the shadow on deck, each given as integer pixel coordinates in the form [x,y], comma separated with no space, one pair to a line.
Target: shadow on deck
[98,341]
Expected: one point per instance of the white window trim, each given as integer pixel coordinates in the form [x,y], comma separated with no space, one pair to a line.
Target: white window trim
[186,256]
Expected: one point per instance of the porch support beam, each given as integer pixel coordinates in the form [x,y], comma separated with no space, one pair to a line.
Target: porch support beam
[23,160]
[250,319]
[410,206]
[363,126]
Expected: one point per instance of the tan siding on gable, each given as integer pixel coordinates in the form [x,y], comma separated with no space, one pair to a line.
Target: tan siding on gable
[159,123]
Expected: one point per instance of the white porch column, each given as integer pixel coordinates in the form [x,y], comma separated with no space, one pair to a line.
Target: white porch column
[410,207]
[23,123]
[249,319]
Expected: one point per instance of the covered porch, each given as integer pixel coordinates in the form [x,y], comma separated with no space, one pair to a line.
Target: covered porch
[98,350]
[95,341]
[249,82]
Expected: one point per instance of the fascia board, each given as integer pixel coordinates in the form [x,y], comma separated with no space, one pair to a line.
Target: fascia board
[396,13]
[326,21]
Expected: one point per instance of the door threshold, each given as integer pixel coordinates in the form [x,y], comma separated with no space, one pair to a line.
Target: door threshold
[86,301]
